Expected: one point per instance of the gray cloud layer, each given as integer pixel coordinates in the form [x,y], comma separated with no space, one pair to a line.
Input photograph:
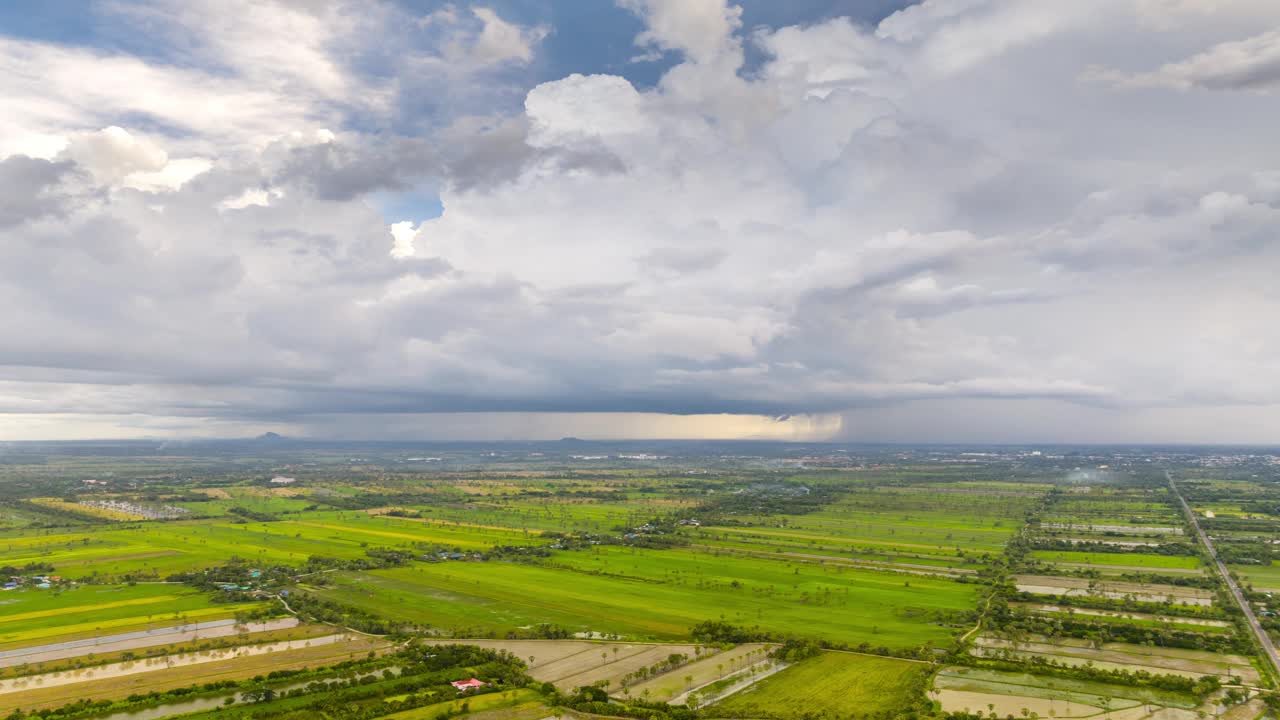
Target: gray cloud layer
[975,201]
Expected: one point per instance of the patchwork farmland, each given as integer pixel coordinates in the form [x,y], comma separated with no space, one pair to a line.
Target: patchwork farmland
[903,589]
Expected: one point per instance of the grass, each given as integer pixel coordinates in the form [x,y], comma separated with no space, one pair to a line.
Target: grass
[101,658]
[38,616]
[892,518]
[833,683]
[1172,622]
[157,550]
[660,595]
[1085,692]
[1261,577]
[1154,562]
[169,678]
[561,514]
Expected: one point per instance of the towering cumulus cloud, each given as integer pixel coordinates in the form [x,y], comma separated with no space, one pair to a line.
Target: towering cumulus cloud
[960,219]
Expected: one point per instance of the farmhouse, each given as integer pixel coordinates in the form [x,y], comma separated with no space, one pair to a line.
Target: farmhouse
[467,685]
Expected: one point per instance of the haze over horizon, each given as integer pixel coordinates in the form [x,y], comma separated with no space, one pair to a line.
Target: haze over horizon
[1021,221]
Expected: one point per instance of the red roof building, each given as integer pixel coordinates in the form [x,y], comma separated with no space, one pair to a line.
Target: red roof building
[466,685]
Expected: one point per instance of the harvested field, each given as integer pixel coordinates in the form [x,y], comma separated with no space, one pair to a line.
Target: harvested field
[215,493]
[614,670]
[573,663]
[701,672]
[119,670]
[1245,711]
[1064,707]
[1147,562]
[899,567]
[544,652]
[138,640]
[961,688]
[1114,543]
[1121,569]
[1174,661]
[970,701]
[1135,529]
[1146,592]
[1203,622]
[87,511]
[103,684]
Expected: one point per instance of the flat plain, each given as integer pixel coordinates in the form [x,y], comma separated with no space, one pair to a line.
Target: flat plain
[897,588]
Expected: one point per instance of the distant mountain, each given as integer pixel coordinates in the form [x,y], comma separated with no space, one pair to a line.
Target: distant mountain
[269,437]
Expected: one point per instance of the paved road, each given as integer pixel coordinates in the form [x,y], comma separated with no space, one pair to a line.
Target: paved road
[1263,639]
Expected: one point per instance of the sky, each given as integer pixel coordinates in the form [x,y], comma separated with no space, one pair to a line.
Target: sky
[849,220]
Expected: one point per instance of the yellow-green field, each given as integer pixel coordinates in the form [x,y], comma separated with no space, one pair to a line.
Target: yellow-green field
[29,616]
[832,683]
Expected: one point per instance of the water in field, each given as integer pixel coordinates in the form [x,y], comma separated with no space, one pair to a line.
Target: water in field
[146,665]
[186,707]
[139,639]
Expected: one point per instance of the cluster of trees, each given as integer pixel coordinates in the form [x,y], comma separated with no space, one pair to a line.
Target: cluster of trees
[1226,525]
[244,515]
[671,662]
[363,690]
[94,708]
[718,632]
[1204,582]
[237,572]
[403,513]
[32,568]
[796,649]
[1098,631]
[318,609]
[595,700]
[370,500]
[1170,606]
[1062,544]
[1045,666]
[56,516]
[541,631]
[1249,552]
[375,558]
[764,499]
[712,632]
